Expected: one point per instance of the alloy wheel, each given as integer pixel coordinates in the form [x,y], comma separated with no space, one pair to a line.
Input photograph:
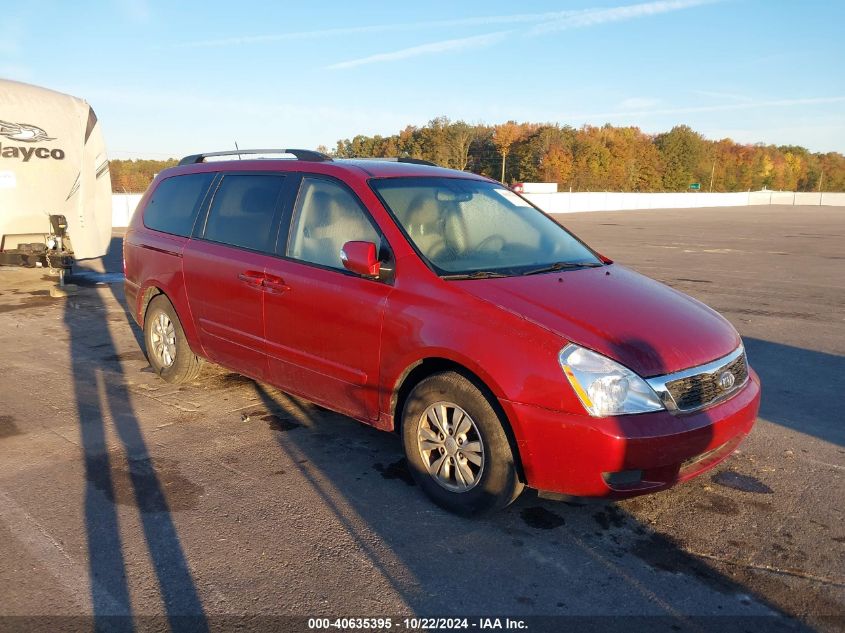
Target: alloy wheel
[451,447]
[163,340]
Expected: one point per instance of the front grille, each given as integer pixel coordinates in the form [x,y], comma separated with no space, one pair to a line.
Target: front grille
[694,392]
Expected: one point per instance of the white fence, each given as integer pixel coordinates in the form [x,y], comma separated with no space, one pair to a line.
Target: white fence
[610,201]
[123,205]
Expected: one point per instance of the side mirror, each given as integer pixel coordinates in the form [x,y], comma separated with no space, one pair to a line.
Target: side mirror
[361,258]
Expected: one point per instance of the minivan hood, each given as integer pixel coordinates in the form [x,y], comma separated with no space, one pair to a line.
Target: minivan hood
[639,322]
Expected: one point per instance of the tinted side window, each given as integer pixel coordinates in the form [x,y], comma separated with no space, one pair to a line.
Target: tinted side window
[243,210]
[174,204]
[326,217]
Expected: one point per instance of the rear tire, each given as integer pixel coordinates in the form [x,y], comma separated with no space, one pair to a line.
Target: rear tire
[167,349]
[456,446]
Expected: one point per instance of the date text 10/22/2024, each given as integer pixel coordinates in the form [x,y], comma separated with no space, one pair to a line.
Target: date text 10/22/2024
[416,624]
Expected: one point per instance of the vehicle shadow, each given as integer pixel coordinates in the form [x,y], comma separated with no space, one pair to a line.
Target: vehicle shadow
[121,473]
[107,271]
[111,262]
[802,388]
[589,558]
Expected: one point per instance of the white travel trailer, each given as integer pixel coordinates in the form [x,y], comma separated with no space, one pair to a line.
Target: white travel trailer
[55,189]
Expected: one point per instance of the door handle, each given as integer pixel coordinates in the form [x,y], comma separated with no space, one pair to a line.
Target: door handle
[251,277]
[275,284]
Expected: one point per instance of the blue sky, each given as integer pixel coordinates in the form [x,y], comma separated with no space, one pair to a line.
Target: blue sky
[172,78]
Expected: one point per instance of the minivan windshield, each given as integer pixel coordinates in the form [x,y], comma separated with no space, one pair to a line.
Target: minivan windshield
[475,229]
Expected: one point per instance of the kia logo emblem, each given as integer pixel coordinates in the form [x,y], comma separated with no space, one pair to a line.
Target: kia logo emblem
[726,381]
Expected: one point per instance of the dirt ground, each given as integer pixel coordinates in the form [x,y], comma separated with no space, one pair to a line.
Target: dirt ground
[226,504]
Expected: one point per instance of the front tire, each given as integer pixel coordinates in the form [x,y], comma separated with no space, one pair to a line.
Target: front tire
[456,446]
[167,349]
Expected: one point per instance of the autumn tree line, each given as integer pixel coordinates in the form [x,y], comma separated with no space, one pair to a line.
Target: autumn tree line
[134,176]
[590,158]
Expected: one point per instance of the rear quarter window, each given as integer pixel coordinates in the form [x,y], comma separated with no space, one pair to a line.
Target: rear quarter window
[175,203]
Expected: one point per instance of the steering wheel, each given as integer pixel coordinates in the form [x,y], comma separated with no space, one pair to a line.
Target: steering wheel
[487,242]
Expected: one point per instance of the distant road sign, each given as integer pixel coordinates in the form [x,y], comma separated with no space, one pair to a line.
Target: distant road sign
[695,186]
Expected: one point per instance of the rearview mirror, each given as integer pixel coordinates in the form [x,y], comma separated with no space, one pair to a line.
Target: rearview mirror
[361,258]
[448,195]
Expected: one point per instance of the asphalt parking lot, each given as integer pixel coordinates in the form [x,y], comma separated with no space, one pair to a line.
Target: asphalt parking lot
[230,502]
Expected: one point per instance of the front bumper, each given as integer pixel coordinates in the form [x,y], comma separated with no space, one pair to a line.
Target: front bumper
[572,454]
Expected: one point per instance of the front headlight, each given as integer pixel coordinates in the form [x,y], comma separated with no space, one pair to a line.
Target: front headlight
[604,386]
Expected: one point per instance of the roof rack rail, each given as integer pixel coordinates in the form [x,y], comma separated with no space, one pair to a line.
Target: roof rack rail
[300,154]
[405,159]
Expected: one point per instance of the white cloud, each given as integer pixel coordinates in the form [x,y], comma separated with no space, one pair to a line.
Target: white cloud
[721,95]
[637,103]
[594,17]
[487,20]
[443,46]
[550,23]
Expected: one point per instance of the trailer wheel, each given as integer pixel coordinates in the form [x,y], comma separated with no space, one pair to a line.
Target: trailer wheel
[167,348]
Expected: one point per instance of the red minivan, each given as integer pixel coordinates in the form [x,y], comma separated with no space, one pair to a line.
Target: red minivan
[441,305]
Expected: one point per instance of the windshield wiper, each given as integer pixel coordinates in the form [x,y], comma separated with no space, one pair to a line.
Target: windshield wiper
[562,266]
[476,274]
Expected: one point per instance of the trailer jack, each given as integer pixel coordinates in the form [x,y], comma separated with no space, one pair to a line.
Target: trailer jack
[56,250]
